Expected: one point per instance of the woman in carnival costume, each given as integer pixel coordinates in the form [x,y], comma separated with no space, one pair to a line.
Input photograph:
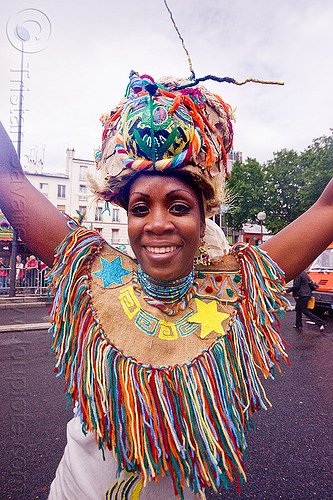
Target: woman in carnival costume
[160,354]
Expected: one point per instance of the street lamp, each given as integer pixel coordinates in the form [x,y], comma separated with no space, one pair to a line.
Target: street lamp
[22,34]
[261,216]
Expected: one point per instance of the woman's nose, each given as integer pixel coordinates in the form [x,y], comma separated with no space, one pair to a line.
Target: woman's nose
[159,221]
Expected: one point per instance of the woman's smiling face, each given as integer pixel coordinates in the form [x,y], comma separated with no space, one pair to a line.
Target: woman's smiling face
[164,225]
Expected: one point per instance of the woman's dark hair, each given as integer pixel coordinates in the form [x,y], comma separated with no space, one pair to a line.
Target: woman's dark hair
[185,177]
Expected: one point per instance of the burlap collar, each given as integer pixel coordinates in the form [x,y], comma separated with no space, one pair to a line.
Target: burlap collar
[146,333]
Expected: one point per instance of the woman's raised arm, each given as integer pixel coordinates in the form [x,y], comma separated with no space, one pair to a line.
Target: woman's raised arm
[297,245]
[37,222]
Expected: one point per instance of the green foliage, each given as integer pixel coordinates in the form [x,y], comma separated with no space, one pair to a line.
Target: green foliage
[284,187]
[246,190]
[284,180]
[317,160]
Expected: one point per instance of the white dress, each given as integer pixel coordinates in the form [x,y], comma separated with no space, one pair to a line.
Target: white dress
[83,474]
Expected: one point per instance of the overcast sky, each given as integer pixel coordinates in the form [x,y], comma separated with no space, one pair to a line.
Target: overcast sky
[81,68]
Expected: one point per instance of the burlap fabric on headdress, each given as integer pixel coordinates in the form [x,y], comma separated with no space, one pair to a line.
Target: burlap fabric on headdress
[164,127]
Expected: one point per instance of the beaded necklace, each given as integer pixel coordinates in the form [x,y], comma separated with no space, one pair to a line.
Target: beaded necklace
[161,294]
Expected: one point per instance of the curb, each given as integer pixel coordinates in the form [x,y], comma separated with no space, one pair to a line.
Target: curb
[22,328]
[15,305]
[28,301]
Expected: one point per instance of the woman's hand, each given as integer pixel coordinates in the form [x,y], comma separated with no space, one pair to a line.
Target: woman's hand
[297,245]
[37,222]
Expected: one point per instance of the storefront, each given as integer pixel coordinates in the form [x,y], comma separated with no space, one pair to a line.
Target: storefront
[6,239]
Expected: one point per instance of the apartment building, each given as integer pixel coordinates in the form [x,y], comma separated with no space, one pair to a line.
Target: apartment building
[69,192]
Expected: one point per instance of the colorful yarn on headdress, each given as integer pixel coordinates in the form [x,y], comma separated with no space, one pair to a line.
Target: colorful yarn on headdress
[157,129]
[171,144]
[189,420]
[162,128]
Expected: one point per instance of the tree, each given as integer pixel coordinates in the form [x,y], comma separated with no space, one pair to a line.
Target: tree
[245,193]
[284,187]
[284,180]
[294,181]
[317,161]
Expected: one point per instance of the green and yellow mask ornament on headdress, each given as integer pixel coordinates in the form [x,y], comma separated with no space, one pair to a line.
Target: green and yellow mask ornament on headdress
[166,126]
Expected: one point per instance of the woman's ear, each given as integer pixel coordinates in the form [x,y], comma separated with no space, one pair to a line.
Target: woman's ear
[202,228]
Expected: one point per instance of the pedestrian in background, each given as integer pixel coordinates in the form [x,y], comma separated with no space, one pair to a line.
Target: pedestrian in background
[19,273]
[3,276]
[31,268]
[42,268]
[302,291]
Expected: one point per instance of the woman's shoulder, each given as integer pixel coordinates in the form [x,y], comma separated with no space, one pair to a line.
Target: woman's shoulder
[82,251]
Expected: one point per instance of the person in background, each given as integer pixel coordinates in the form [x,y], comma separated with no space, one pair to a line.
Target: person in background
[302,292]
[31,271]
[19,272]
[43,270]
[3,276]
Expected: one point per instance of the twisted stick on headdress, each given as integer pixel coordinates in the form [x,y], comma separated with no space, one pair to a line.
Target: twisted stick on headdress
[226,79]
[181,38]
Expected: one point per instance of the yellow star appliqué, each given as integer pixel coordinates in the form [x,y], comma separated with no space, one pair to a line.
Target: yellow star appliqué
[209,317]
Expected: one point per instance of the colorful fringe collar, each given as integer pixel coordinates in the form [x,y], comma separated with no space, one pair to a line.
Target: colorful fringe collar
[187,420]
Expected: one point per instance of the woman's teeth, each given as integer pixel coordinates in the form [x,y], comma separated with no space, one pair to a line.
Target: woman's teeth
[161,249]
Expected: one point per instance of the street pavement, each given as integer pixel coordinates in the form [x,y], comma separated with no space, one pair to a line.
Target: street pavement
[290,450]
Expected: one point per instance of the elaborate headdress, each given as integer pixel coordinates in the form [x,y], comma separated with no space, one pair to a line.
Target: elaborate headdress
[166,126]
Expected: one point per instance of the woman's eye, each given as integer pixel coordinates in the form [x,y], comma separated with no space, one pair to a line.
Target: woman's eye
[139,210]
[179,209]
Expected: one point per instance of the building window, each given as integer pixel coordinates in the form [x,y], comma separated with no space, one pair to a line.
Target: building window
[115,215]
[114,236]
[82,210]
[82,192]
[61,191]
[61,208]
[99,230]
[83,172]
[98,213]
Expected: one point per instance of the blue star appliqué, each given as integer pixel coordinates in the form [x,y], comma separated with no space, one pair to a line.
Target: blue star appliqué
[111,272]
